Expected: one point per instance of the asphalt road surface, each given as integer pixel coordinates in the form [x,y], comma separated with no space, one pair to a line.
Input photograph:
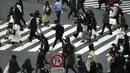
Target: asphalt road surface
[29,49]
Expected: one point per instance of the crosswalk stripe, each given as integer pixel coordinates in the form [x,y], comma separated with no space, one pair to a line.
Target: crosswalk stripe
[85,49]
[68,32]
[126,11]
[79,43]
[52,39]
[125,2]
[102,49]
[65,34]
[23,38]
[3,33]
[127,34]
[35,40]
[105,47]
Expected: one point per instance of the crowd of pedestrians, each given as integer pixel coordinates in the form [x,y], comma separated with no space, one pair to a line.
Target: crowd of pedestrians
[86,24]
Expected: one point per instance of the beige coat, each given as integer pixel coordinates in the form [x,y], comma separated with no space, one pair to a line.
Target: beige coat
[45,18]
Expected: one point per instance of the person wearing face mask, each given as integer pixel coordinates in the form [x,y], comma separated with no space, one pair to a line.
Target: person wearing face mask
[81,65]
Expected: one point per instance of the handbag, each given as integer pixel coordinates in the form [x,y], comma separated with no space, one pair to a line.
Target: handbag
[6,70]
[110,59]
[112,21]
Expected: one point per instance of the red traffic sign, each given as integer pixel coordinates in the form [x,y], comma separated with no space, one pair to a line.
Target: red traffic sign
[57,60]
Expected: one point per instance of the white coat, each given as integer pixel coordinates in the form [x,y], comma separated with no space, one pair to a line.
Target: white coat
[120,34]
[90,58]
[17,36]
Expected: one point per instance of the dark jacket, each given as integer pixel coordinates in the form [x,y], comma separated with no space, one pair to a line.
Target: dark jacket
[106,17]
[33,24]
[59,30]
[93,68]
[27,67]
[120,61]
[70,59]
[13,66]
[72,3]
[17,12]
[68,48]
[1,70]
[40,60]
[127,67]
[82,67]
[46,46]
[102,1]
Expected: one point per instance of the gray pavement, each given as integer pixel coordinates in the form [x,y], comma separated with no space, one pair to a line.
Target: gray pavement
[31,6]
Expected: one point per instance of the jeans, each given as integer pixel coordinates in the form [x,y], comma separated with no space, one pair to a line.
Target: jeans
[58,13]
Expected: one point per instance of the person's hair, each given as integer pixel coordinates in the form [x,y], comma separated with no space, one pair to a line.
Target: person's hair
[91,47]
[13,57]
[1,70]
[56,21]
[27,61]
[57,0]
[47,3]
[31,14]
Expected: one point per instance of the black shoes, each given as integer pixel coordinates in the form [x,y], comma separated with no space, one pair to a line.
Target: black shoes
[101,33]
[0,44]
[110,33]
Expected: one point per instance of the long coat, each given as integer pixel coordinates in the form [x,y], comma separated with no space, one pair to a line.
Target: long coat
[13,66]
[90,58]
[16,37]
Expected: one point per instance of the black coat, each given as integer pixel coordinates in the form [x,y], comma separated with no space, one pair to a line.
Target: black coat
[33,24]
[59,30]
[102,1]
[17,12]
[120,61]
[27,67]
[127,67]
[93,68]
[13,66]
[40,60]
[106,17]
[82,67]
[126,46]
[72,3]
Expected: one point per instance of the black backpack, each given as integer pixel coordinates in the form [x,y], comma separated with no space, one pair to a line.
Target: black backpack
[48,10]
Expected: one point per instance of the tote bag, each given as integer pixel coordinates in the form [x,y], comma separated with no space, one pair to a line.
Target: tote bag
[6,70]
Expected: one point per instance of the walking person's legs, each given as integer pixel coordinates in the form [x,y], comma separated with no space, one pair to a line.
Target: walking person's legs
[55,42]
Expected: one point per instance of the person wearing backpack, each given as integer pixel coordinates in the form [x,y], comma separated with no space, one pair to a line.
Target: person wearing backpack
[47,10]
